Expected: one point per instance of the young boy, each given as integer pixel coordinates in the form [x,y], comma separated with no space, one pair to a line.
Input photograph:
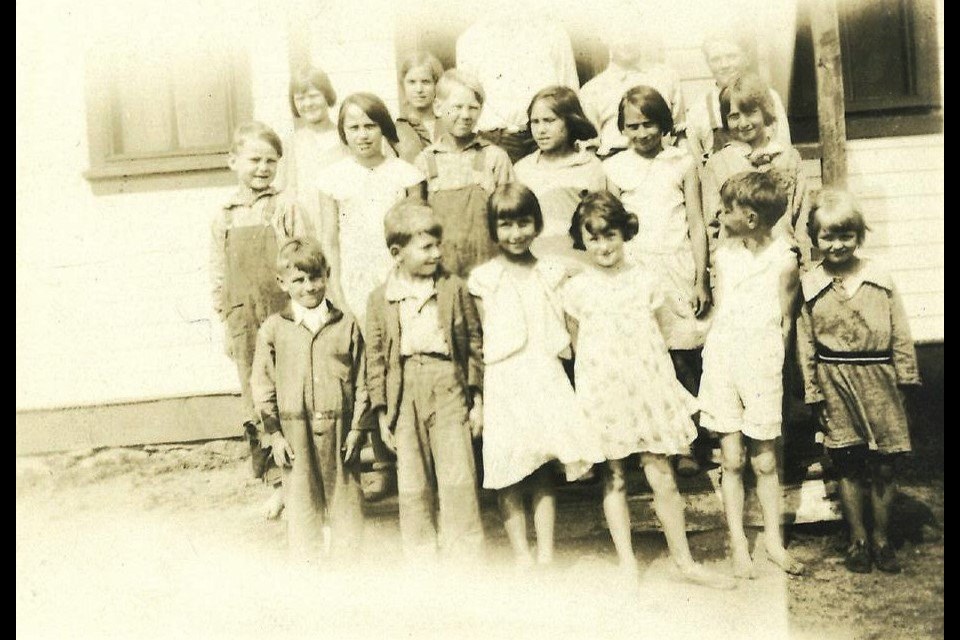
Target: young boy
[308,387]
[425,378]
[757,277]
[462,170]
[243,250]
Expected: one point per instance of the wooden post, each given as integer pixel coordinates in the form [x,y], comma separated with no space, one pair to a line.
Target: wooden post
[825,26]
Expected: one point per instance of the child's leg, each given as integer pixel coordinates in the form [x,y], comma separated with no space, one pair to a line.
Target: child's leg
[415,492]
[763,458]
[882,492]
[544,512]
[515,521]
[344,497]
[850,465]
[669,505]
[617,513]
[688,365]
[731,487]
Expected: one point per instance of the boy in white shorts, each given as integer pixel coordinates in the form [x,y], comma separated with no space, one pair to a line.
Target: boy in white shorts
[756,277]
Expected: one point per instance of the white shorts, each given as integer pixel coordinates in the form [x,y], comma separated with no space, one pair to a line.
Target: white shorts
[742,386]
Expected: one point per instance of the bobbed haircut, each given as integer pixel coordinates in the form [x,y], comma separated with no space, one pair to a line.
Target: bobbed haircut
[455,78]
[751,93]
[408,218]
[759,191]
[650,103]
[306,78]
[836,210]
[512,201]
[255,131]
[600,211]
[304,254]
[421,59]
[374,108]
[564,102]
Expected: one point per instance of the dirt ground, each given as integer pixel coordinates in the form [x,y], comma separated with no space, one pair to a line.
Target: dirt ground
[168,540]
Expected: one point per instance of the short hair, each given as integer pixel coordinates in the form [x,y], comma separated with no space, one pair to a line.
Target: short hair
[564,102]
[256,130]
[406,219]
[455,77]
[759,191]
[421,59]
[650,103]
[599,211]
[374,108]
[512,201]
[752,94]
[306,78]
[836,210]
[741,36]
[302,253]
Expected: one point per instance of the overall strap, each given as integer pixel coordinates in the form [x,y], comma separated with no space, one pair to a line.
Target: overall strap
[432,172]
[479,159]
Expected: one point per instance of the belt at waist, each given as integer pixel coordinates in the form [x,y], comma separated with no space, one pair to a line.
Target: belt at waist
[830,356]
[426,357]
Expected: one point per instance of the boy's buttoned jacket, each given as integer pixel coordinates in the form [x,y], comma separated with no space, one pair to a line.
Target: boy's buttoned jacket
[460,324]
[314,378]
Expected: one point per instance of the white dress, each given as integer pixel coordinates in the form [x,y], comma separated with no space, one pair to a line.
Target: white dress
[307,154]
[530,412]
[363,197]
[626,384]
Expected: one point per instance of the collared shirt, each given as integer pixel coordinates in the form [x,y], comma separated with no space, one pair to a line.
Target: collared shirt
[513,59]
[601,99]
[455,167]
[748,286]
[704,116]
[312,319]
[420,330]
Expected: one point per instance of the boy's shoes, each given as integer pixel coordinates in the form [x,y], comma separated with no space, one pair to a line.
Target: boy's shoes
[858,558]
[687,466]
[885,558]
[259,457]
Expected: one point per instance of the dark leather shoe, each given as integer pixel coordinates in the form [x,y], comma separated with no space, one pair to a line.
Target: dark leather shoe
[858,558]
[885,558]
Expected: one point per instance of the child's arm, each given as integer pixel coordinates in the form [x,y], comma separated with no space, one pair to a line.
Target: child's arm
[789,286]
[471,318]
[263,387]
[375,371]
[904,352]
[218,264]
[698,239]
[330,242]
[502,169]
[807,356]
[360,422]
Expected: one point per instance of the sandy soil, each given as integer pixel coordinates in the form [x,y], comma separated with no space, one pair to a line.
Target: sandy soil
[168,541]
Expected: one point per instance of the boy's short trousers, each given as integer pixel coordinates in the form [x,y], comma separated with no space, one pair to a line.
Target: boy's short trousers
[742,388]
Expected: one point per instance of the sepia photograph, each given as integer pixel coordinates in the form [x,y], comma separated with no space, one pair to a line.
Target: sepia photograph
[532,319]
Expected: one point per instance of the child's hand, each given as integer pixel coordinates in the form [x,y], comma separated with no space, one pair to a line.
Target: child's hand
[820,411]
[282,452]
[702,299]
[351,446]
[389,440]
[476,418]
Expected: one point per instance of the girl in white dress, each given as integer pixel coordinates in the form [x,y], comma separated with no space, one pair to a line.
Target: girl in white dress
[355,194]
[626,385]
[530,413]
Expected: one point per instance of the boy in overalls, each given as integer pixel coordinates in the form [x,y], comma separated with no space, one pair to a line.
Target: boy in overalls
[462,169]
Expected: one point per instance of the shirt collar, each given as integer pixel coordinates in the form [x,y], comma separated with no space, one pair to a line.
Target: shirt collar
[815,281]
[245,198]
[446,144]
[579,157]
[401,287]
[319,315]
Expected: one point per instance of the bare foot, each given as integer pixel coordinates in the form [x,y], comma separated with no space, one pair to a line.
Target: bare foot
[696,573]
[273,507]
[743,566]
[782,558]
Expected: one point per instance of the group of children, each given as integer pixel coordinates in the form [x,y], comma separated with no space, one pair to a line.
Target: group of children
[410,281]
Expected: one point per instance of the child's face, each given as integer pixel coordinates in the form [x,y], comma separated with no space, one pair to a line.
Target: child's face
[312,106]
[747,126]
[363,135]
[738,221]
[548,129]
[726,61]
[306,289]
[459,111]
[838,246]
[419,87]
[255,163]
[514,237]
[604,246]
[420,257]
[643,133]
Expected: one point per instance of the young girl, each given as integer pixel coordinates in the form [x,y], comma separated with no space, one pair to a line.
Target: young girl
[314,146]
[626,384]
[856,353]
[355,194]
[557,172]
[530,414]
[417,124]
[661,187]
[748,114]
